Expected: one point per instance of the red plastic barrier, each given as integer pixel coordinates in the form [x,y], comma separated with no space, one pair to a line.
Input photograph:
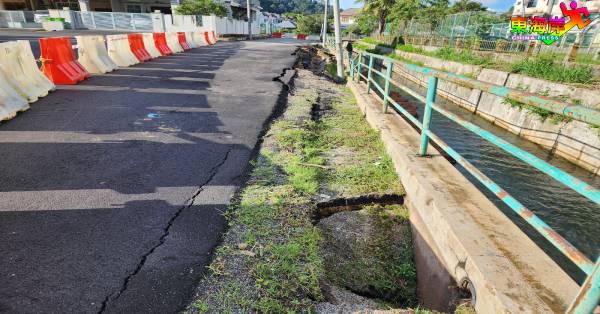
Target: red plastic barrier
[277,35]
[136,43]
[182,42]
[59,63]
[301,36]
[160,40]
[207,38]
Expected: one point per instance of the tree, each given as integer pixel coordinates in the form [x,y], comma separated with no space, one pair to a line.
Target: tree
[295,6]
[434,11]
[379,8]
[365,22]
[406,10]
[201,7]
[309,24]
[467,6]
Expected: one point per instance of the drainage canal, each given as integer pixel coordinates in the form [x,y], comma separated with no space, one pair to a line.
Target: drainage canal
[573,216]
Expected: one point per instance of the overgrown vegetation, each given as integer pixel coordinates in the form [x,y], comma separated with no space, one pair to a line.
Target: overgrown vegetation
[377,266]
[547,67]
[270,261]
[541,113]
[295,6]
[462,56]
[544,66]
[309,24]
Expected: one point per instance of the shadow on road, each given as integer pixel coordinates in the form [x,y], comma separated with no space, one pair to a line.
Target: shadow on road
[98,182]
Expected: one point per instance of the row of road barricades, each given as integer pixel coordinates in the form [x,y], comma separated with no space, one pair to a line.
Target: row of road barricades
[22,82]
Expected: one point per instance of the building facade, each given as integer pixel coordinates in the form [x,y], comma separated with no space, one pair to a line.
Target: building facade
[347,17]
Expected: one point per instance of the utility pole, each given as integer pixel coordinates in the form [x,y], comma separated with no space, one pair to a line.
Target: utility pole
[249,11]
[338,39]
[325,24]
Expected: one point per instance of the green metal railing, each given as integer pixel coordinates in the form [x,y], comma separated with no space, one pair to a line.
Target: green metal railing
[588,297]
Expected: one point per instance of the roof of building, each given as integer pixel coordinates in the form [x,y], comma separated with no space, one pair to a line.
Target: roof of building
[350,12]
[286,24]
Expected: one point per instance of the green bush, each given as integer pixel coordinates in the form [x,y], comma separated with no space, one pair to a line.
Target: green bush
[409,48]
[548,67]
[462,56]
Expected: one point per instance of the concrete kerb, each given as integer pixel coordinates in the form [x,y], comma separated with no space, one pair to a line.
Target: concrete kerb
[460,235]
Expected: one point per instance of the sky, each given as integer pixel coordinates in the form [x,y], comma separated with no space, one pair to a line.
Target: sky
[496,5]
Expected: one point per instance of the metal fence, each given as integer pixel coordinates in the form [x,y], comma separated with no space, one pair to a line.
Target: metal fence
[367,67]
[12,18]
[113,21]
[485,31]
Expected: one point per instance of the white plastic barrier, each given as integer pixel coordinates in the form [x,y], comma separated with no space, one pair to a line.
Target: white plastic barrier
[93,54]
[21,72]
[206,38]
[189,38]
[150,45]
[120,51]
[31,68]
[173,42]
[199,38]
[10,100]
[214,37]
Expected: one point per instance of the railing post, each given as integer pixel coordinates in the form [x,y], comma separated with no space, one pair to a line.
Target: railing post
[388,77]
[351,63]
[359,66]
[431,93]
[114,23]
[369,74]
[133,22]
[93,20]
[588,297]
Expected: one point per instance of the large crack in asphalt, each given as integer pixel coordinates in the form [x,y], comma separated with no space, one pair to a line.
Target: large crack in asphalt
[166,230]
[280,105]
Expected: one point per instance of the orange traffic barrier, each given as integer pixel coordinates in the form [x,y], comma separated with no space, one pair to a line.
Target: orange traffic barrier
[301,36]
[277,35]
[182,41]
[161,44]
[59,63]
[136,42]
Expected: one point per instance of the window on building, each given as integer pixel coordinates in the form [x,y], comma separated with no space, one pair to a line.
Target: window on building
[532,3]
[134,8]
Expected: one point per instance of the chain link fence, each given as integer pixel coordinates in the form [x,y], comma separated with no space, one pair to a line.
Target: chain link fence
[488,32]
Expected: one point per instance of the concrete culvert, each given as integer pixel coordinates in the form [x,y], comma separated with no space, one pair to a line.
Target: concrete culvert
[369,252]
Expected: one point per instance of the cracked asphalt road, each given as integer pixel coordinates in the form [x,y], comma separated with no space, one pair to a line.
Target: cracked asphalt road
[112,191]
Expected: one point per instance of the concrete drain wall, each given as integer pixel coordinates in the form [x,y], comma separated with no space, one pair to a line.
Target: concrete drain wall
[461,236]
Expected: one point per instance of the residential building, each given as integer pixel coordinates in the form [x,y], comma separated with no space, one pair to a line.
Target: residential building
[347,17]
[268,22]
[551,8]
